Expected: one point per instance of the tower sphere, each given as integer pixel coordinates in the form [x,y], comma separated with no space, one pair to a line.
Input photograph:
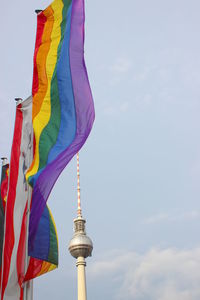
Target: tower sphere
[80,245]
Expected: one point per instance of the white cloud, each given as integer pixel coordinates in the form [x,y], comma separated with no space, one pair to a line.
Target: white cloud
[124,107]
[163,217]
[117,109]
[190,215]
[156,275]
[119,70]
[143,74]
[121,65]
[156,218]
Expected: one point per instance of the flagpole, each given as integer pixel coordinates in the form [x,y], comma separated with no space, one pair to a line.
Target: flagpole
[28,286]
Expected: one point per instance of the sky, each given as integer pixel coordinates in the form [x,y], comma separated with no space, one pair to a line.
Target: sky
[140,167]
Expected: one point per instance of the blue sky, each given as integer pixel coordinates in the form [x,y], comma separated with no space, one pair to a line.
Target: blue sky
[140,167]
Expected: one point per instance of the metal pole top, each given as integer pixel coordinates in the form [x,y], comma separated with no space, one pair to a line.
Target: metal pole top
[4,161]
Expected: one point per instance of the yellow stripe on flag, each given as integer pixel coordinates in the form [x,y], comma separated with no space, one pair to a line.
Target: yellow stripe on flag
[42,118]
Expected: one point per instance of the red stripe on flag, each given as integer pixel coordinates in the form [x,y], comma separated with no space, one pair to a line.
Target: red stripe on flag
[21,251]
[38,42]
[34,268]
[9,226]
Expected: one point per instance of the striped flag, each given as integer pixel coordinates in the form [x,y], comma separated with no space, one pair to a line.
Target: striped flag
[63,109]
[14,263]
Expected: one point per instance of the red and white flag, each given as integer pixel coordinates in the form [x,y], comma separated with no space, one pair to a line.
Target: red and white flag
[14,248]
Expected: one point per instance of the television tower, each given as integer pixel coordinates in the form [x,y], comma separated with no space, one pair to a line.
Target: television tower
[80,245]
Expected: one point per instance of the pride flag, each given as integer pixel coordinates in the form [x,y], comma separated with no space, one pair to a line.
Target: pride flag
[3,197]
[4,184]
[63,109]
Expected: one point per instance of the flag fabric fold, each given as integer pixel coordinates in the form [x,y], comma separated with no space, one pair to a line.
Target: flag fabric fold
[44,258]
[63,109]
[14,263]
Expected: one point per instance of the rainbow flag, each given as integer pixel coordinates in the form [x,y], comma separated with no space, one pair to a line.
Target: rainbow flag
[3,197]
[4,184]
[63,109]
[14,269]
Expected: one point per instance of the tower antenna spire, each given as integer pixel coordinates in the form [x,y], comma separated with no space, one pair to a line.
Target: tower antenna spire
[79,211]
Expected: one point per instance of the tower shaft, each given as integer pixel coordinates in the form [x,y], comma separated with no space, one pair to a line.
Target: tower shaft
[82,292]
